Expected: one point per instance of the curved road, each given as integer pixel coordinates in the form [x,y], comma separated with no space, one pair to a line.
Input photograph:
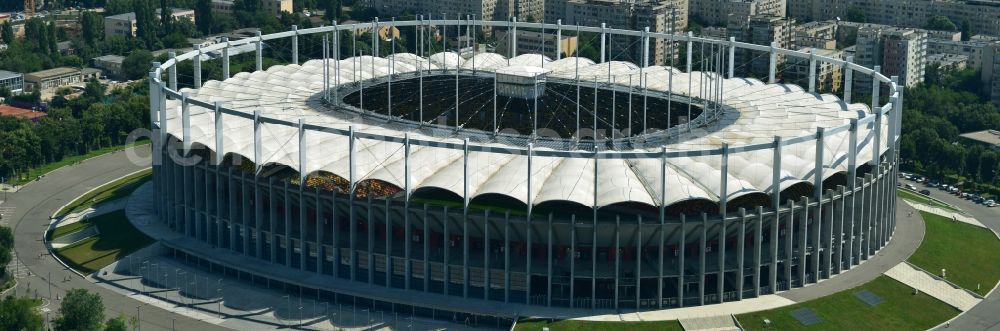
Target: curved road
[28,211]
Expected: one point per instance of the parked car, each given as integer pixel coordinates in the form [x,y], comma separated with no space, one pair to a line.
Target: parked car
[925,192]
[911,187]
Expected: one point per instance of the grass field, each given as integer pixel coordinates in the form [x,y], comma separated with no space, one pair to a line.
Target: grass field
[901,310]
[970,254]
[537,324]
[67,229]
[920,198]
[44,169]
[117,238]
[114,190]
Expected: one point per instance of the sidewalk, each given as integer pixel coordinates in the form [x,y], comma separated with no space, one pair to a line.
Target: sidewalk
[938,289]
[945,213]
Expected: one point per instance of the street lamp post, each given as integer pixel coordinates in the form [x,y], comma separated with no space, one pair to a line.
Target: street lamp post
[138,318]
[288,305]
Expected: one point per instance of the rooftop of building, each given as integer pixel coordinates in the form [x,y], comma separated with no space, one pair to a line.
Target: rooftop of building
[110,58]
[27,114]
[823,52]
[130,16]
[4,74]
[54,72]
[991,137]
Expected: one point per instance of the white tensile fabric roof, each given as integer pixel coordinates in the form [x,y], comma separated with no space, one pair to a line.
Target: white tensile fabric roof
[758,112]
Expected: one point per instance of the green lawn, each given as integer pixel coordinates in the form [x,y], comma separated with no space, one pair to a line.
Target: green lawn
[67,229]
[537,324]
[970,254]
[920,198]
[901,310]
[114,190]
[117,238]
[44,169]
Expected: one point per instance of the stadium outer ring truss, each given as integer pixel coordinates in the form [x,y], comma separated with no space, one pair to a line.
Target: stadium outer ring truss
[497,266]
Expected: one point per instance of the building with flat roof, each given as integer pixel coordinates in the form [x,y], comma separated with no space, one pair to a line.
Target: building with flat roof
[991,72]
[125,24]
[829,77]
[660,16]
[111,65]
[899,51]
[720,12]
[538,42]
[820,35]
[275,7]
[57,77]
[972,49]
[990,138]
[947,61]
[761,30]
[12,81]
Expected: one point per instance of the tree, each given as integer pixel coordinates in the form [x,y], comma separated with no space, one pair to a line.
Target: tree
[80,310]
[165,16]
[940,23]
[966,29]
[119,323]
[20,314]
[7,32]
[856,14]
[136,64]
[203,16]
[145,27]
[333,10]
[93,27]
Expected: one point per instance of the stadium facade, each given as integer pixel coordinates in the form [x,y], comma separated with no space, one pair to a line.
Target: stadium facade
[417,180]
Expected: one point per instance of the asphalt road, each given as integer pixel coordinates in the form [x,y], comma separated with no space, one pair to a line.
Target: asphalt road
[28,212]
[983,316]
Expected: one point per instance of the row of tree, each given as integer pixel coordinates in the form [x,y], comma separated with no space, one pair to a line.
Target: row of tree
[935,113]
[73,127]
[80,310]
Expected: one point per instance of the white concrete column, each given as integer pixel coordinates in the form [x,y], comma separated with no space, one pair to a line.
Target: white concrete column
[260,51]
[295,44]
[732,57]
[604,51]
[559,42]
[172,71]
[812,70]
[225,59]
[197,67]
[848,79]
[772,64]
[680,263]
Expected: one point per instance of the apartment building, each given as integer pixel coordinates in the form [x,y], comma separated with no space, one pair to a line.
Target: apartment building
[983,15]
[899,51]
[721,12]
[991,72]
[538,42]
[125,24]
[12,81]
[275,7]
[436,9]
[820,35]
[761,30]
[829,77]
[669,16]
[972,49]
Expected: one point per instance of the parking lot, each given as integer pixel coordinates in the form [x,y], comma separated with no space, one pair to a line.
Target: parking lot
[987,215]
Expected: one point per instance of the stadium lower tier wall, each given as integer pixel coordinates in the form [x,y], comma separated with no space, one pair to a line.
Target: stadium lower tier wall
[624,262]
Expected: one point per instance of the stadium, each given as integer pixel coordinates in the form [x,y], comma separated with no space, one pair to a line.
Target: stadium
[494,183]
